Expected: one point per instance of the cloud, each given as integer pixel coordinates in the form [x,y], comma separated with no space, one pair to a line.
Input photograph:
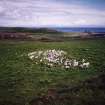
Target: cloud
[48,13]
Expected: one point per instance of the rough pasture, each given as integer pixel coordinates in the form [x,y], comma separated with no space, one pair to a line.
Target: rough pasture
[21,80]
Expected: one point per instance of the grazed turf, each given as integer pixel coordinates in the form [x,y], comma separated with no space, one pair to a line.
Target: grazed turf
[21,79]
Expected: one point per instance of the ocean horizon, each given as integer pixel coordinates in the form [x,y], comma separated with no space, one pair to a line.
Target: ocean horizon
[80,29]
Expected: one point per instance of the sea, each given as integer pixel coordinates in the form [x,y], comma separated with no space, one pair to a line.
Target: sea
[81,29]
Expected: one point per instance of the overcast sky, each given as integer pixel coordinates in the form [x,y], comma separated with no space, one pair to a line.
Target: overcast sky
[62,13]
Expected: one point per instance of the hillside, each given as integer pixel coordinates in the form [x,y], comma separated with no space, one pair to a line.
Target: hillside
[44,34]
[29,30]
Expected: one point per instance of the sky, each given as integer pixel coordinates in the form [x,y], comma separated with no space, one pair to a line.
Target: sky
[52,13]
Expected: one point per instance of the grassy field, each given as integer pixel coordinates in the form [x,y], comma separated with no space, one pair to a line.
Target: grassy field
[21,79]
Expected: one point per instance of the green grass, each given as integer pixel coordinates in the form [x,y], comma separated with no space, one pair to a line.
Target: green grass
[21,80]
